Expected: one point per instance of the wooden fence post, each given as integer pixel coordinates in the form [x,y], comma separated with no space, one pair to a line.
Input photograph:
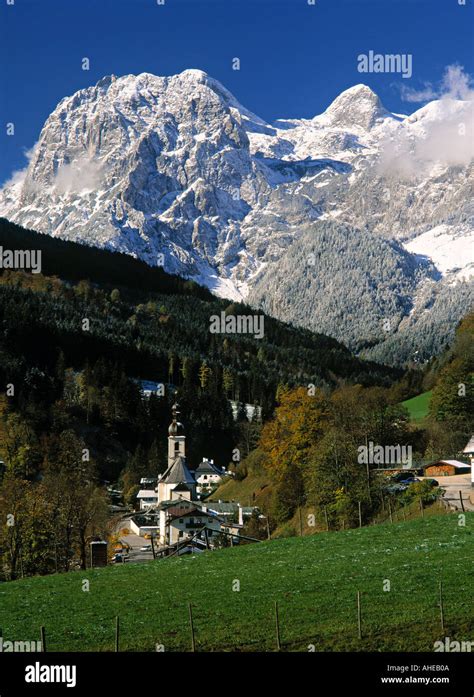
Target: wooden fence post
[117,633]
[327,519]
[462,502]
[277,627]
[191,624]
[359,616]
[390,511]
[441,606]
[43,639]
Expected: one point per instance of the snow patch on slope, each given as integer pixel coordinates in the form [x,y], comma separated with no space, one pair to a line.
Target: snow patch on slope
[452,253]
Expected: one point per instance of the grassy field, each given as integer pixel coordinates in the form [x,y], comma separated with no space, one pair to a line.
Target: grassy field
[418,406]
[313,578]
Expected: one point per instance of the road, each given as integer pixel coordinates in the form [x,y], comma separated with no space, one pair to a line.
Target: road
[134,542]
[453,485]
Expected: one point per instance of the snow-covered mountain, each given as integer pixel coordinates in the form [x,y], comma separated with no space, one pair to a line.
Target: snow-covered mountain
[175,166]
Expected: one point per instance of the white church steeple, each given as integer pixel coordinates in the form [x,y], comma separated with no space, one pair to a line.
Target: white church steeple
[176,437]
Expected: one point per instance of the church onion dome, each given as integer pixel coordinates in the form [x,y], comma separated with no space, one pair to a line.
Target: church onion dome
[176,428]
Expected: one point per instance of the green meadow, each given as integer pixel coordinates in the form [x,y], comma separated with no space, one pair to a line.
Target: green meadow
[396,567]
[418,406]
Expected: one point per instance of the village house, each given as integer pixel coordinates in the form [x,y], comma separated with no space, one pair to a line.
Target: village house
[187,524]
[208,476]
[147,498]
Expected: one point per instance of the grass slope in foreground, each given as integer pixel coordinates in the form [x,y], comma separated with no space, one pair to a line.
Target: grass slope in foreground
[314,579]
[418,406]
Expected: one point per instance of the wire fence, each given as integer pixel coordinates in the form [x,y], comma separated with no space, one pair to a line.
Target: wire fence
[391,619]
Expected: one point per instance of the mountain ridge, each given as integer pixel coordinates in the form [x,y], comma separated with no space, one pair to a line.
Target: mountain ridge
[175,168]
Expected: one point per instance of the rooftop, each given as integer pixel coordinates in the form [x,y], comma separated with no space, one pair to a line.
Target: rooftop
[178,472]
[470,446]
[147,494]
[453,463]
[208,467]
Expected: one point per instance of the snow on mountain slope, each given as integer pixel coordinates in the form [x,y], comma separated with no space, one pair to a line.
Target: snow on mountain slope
[450,249]
[176,166]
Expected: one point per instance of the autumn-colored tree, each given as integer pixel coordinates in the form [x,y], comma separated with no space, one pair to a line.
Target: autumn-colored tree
[204,374]
[289,438]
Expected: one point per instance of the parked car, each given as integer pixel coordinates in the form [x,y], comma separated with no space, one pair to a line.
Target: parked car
[401,476]
[145,548]
[409,480]
[119,558]
[432,482]
[396,488]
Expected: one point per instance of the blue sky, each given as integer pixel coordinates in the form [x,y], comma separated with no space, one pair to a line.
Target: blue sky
[295,58]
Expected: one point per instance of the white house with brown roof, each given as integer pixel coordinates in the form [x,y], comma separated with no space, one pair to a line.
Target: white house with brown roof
[179,526]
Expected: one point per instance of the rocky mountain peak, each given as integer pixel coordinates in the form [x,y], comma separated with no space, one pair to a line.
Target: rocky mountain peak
[357,106]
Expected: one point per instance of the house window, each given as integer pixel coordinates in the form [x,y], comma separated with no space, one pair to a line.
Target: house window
[180,520]
[176,447]
[180,533]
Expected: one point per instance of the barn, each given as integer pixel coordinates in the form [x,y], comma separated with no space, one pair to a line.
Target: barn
[445,468]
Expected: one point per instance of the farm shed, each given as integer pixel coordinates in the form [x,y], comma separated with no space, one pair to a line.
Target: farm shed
[446,468]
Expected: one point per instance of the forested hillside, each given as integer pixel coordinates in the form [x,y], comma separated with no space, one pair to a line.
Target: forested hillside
[391,309]
[75,341]
[75,344]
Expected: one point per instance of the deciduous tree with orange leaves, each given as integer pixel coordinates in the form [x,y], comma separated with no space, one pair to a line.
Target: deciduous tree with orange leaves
[290,438]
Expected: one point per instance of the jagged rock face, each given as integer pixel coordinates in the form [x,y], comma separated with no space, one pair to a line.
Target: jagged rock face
[176,166]
[141,164]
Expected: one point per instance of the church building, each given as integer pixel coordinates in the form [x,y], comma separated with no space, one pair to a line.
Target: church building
[174,504]
[178,478]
